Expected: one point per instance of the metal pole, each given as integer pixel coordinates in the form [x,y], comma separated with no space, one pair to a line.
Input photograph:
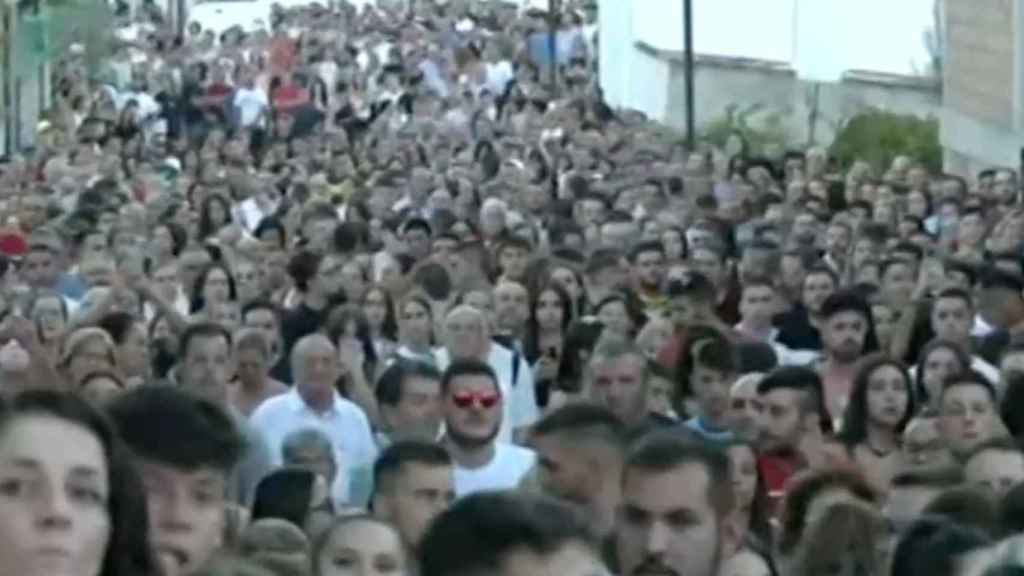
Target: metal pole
[8,79]
[553,44]
[691,135]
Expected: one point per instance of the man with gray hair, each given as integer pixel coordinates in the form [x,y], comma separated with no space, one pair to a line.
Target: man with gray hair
[467,336]
[310,449]
[618,381]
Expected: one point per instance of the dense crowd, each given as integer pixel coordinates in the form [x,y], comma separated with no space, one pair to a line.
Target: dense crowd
[391,290]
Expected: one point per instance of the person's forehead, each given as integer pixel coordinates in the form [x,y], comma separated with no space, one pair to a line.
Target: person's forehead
[965,392]
[845,317]
[474,382]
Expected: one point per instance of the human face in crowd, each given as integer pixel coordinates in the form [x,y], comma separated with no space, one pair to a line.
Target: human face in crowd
[48,315]
[615,318]
[511,306]
[649,269]
[843,335]
[40,269]
[165,280]
[207,366]
[186,514]
[375,305]
[784,420]
[864,249]
[247,281]
[952,319]
[816,288]
[414,323]
[898,284]
[418,494]
[513,261]
[418,412]
[709,264]
[620,385]
[711,391]
[743,470]
[92,355]
[265,322]
[995,469]
[54,503]
[361,547]
[568,281]
[252,365]
[971,230]
[472,410]
[316,367]
[888,396]
[549,311]
[837,241]
[758,306]
[746,408]
[465,333]
[938,365]
[967,417]
[666,524]
[792,275]
[132,355]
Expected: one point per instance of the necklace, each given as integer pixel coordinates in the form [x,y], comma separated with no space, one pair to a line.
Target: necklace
[879,453]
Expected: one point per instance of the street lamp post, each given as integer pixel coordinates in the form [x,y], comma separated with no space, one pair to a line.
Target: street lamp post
[691,137]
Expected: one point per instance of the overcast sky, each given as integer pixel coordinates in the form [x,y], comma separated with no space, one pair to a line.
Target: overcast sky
[830,35]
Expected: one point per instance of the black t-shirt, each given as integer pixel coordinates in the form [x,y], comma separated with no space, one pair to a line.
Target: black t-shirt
[299,322]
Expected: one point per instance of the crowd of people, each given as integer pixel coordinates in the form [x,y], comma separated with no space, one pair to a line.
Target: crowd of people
[391,290]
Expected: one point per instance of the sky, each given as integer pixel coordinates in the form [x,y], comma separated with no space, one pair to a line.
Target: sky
[830,35]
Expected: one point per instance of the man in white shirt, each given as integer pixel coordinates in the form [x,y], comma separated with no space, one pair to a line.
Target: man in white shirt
[472,404]
[466,336]
[314,403]
[250,102]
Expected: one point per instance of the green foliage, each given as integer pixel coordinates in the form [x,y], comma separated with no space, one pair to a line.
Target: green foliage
[877,137]
[60,23]
[759,131]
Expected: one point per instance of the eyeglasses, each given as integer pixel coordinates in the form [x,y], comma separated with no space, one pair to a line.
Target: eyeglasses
[468,400]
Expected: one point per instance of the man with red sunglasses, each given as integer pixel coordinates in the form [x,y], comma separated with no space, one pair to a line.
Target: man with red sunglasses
[472,405]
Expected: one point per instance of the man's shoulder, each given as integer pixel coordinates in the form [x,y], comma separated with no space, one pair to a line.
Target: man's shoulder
[270,407]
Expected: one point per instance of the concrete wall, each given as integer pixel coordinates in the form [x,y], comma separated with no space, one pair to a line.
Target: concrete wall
[983,117]
[775,89]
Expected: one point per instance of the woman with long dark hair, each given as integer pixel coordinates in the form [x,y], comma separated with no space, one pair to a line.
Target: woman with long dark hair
[379,308]
[100,525]
[880,405]
[939,360]
[550,314]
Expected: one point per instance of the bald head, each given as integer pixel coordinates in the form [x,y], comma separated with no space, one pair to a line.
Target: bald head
[315,366]
[465,332]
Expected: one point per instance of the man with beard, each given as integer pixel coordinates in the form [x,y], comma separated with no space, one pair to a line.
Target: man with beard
[647,263]
[793,427]
[676,502]
[467,336]
[580,449]
[472,404]
[846,335]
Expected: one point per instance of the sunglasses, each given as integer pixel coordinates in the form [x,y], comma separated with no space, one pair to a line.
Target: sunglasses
[468,400]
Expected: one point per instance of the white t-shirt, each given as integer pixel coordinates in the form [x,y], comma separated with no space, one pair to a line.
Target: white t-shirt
[519,398]
[504,472]
[250,104]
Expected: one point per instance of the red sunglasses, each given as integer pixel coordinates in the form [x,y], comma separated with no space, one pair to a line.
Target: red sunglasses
[468,400]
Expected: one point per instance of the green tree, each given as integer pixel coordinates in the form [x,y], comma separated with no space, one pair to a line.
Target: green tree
[877,137]
[759,131]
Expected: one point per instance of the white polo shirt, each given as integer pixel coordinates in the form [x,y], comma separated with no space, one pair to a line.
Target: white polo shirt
[345,424]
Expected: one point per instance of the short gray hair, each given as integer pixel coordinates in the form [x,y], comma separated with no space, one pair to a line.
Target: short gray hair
[305,439]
